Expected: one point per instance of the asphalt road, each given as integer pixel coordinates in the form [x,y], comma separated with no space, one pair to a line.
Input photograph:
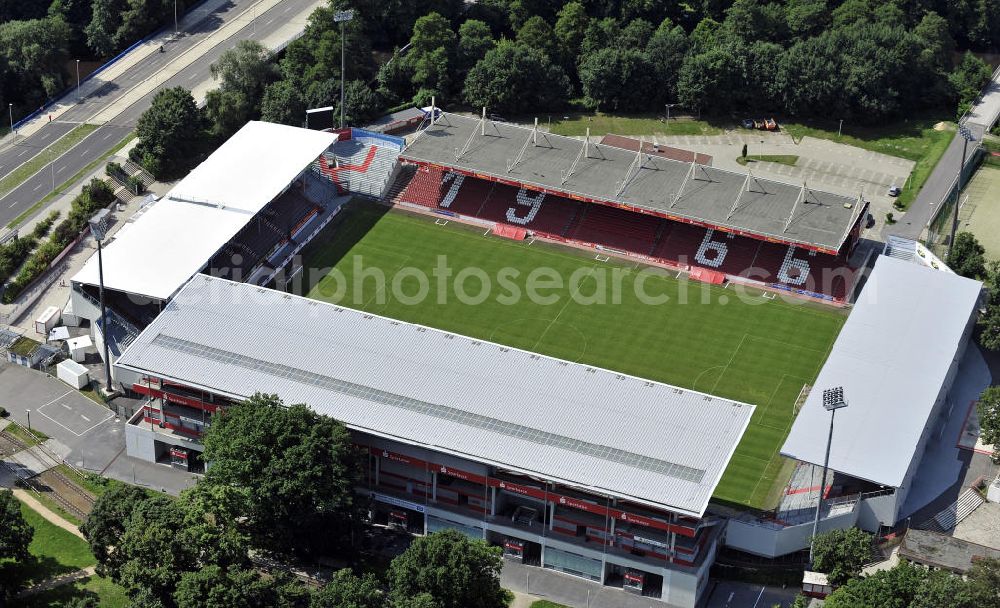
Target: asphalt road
[938,184]
[103,139]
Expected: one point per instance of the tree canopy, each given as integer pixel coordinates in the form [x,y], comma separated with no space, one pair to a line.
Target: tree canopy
[171,134]
[453,569]
[15,533]
[988,411]
[297,472]
[841,553]
[499,80]
[909,586]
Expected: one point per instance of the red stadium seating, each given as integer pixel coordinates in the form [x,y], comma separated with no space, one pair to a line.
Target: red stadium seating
[671,242]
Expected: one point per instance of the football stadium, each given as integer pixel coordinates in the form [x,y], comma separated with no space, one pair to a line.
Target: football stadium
[609,358]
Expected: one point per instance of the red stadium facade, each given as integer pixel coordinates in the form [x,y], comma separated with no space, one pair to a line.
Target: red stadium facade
[705,251]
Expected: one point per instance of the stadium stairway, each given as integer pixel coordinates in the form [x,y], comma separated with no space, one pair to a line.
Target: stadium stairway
[900,248]
[394,193]
[951,515]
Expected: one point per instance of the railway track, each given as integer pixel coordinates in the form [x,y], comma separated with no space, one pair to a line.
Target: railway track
[70,496]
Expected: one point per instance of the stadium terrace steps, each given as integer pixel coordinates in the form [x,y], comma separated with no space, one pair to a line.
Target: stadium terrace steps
[951,515]
[358,165]
[644,235]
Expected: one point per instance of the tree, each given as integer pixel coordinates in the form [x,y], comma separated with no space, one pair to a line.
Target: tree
[283,104]
[298,471]
[841,553]
[171,134]
[243,72]
[431,32]
[969,78]
[103,26]
[538,34]
[893,588]
[571,26]
[967,256]
[984,583]
[514,78]
[361,104]
[941,588]
[455,570]
[345,590]
[106,523]
[421,600]
[665,51]
[988,410]
[34,53]
[474,41]
[989,322]
[15,533]
[215,587]
[617,79]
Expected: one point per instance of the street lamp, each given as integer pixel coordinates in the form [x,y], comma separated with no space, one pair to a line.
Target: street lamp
[29,421]
[176,30]
[967,136]
[840,127]
[10,110]
[342,17]
[78,81]
[97,228]
[833,400]
[668,106]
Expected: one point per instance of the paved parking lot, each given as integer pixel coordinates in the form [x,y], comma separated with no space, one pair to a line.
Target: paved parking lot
[82,432]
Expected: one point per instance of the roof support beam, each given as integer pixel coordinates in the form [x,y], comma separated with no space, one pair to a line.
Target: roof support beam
[531,139]
[800,199]
[691,174]
[745,188]
[859,205]
[481,127]
[583,153]
[633,169]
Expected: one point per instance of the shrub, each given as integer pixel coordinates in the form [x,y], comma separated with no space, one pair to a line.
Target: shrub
[42,227]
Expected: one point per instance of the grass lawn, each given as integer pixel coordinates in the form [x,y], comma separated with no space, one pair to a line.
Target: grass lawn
[93,483]
[703,338]
[784,159]
[103,591]
[546,604]
[915,140]
[17,176]
[54,550]
[25,436]
[601,124]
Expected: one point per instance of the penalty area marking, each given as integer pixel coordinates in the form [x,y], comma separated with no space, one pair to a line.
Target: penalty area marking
[489,230]
[769,297]
[601,258]
[440,222]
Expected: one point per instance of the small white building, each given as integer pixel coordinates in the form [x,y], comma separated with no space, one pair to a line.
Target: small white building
[73,374]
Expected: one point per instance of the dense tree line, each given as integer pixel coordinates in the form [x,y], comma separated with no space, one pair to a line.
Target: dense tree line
[39,39]
[856,59]
[281,487]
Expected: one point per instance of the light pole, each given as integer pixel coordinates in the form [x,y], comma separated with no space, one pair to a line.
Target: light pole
[668,106]
[10,110]
[176,29]
[78,81]
[29,421]
[342,17]
[98,230]
[833,400]
[840,127]
[967,136]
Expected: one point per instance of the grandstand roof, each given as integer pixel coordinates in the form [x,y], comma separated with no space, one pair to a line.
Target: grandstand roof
[707,195]
[161,248]
[253,167]
[625,436]
[892,358]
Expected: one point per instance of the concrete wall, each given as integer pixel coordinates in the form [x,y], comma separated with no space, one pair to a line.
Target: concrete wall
[878,511]
[139,440]
[773,541]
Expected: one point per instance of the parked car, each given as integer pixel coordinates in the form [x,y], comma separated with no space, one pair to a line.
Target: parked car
[895,190]
[747,123]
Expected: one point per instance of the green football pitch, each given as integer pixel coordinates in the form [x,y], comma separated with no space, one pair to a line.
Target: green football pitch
[750,348]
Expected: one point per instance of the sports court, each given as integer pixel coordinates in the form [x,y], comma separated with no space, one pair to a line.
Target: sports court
[705,338]
[980,212]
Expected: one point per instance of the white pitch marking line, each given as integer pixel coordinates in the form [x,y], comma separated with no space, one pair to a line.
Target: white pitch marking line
[65,406]
[84,417]
[110,416]
[59,423]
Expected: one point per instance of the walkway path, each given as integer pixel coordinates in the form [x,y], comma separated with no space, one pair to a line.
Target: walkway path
[58,581]
[26,497]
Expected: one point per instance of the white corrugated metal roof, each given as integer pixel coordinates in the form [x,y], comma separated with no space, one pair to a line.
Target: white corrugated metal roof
[253,167]
[174,239]
[584,426]
[891,357]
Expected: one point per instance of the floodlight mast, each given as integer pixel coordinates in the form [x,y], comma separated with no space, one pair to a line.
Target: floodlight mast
[967,136]
[833,400]
[342,17]
[97,228]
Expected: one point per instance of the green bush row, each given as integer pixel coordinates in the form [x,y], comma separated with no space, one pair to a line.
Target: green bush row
[95,195]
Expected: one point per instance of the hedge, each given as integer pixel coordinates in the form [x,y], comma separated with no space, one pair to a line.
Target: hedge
[95,195]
